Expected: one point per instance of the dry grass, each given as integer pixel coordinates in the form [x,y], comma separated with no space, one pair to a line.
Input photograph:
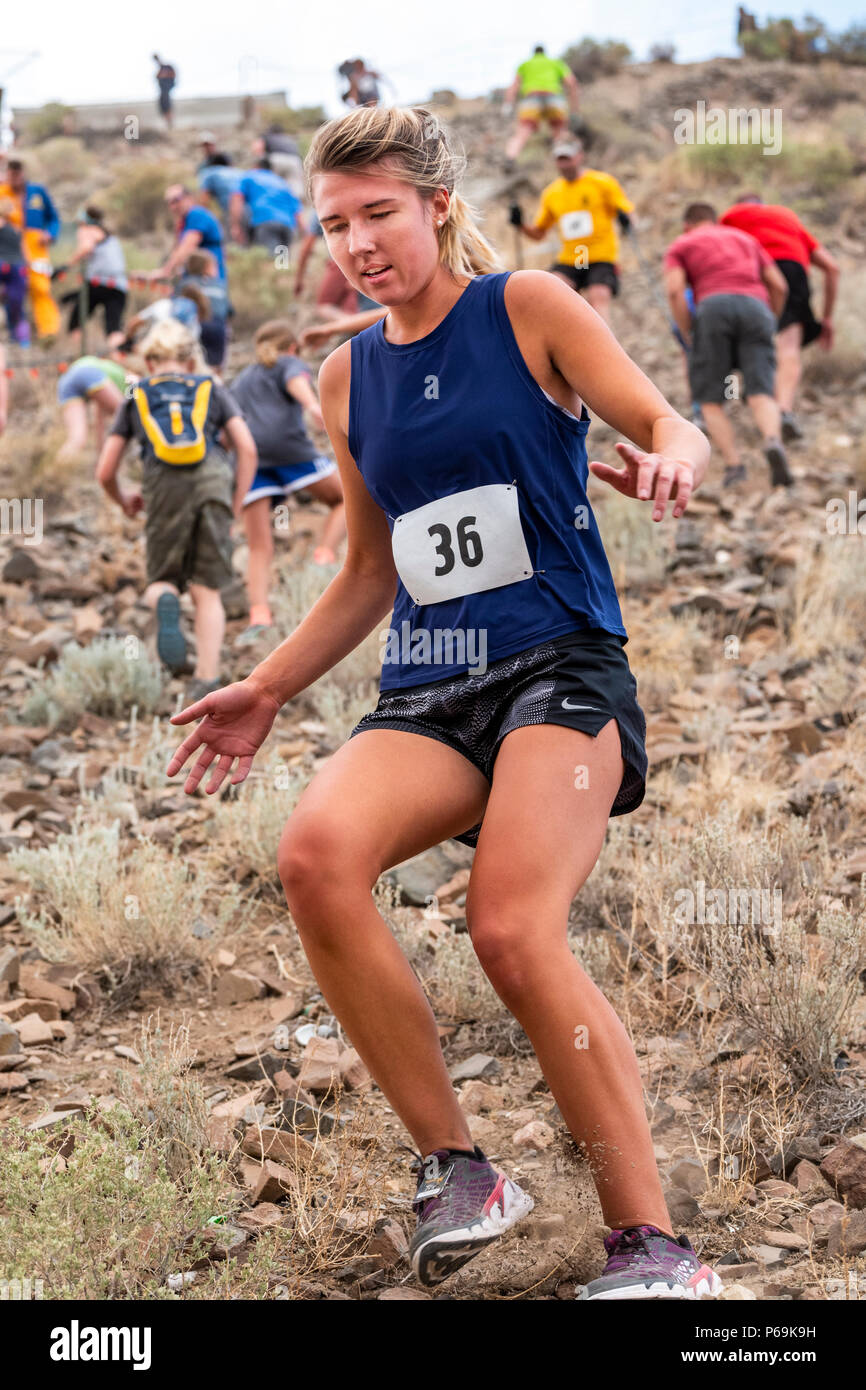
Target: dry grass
[108,677]
[828,598]
[133,918]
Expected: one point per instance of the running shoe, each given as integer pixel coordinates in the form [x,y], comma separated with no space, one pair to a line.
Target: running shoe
[250,635]
[734,473]
[790,426]
[170,641]
[197,689]
[644,1263]
[780,474]
[462,1204]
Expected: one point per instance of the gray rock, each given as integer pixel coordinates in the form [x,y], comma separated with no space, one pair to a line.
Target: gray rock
[689,1175]
[474,1067]
[682,1206]
[307,1119]
[260,1068]
[20,566]
[847,1236]
[50,755]
[9,1039]
[420,877]
[768,1255]
[10,964]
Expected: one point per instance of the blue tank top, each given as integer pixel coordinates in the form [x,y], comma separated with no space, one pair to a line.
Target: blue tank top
[483,480]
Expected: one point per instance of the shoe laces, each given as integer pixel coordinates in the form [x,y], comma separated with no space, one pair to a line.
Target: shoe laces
[632,1239]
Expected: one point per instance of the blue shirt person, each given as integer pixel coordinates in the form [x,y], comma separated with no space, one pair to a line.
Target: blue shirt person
[196,230]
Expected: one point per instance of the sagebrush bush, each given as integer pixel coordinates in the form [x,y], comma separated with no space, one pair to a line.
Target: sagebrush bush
[129,919]
[792,975]
[825,607]
[108,1221]
[259,289]
[64,159]
[48,121]
[107,677]
[591,58]
[135,201]
[633,543]
[245,831]
[818,169]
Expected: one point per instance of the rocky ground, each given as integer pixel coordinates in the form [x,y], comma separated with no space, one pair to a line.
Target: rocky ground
[128,909]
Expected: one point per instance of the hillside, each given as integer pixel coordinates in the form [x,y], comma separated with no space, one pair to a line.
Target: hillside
[151,979]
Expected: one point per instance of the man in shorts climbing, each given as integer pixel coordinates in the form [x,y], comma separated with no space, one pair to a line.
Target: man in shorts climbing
[547,89]
[585,205]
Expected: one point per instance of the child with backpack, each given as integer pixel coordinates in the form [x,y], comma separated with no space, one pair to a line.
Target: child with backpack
[273,393]
[178,415]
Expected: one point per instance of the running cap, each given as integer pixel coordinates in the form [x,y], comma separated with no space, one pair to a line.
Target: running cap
[566,148]
[207,137]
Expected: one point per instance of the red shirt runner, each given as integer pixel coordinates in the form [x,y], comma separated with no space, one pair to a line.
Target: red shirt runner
[780,231]
[720,260]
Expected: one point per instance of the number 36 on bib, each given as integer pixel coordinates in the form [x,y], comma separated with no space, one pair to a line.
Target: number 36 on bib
[462,544]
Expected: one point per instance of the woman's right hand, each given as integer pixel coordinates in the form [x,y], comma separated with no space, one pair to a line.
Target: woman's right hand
[237,720]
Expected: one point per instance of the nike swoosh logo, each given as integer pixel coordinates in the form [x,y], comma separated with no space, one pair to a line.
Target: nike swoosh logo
[566,704]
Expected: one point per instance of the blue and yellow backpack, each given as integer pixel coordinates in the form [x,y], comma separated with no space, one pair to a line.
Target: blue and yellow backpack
[173,411]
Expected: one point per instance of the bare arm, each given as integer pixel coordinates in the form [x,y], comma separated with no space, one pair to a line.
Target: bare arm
[240,439]
[777,287]
[363,592]
[675,285]
[572,86]
[571,342]
[236,212]
[86,241]
[108,464]
[352,323]
[534,233]
[303,257]
[300,389]
[189,242]
[824,261]
[511,95]
[538,230]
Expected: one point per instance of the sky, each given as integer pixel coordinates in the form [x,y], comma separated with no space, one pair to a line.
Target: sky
[237,46]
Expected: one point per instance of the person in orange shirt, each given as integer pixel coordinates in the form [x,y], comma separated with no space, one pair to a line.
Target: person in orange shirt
[36,216]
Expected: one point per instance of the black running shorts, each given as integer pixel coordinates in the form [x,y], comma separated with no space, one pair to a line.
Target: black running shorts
[599,273]
[798,305]
[580,681]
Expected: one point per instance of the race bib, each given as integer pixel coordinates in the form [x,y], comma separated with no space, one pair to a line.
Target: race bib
[575,226]
[462,544]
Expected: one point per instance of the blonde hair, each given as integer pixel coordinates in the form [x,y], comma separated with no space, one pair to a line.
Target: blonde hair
[413,145]
[273,338]
[171,341]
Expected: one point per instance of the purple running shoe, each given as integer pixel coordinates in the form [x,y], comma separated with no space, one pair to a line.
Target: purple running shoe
[644,1263]
[462,1205]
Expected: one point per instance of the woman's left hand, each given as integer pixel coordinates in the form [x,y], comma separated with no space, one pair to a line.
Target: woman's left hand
[646,476]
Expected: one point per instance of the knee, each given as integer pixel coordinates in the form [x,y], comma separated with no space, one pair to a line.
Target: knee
[314,863]
[500,944]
